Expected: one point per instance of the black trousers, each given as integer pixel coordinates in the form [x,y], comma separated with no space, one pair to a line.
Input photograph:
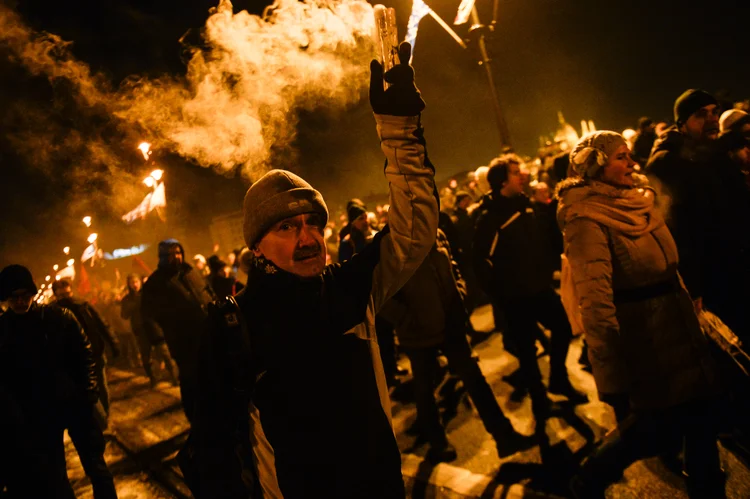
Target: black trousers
[425,369]
[646,434]
[387,345]
[161,353]
[521,316]
[88,440]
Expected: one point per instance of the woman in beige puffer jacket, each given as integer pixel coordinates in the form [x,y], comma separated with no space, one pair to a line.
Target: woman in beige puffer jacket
[650,359]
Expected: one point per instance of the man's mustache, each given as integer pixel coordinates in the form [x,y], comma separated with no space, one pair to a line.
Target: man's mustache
[307,251]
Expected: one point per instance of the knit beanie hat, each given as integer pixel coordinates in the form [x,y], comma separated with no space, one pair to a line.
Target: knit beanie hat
[14,278]
[733,119]
[592,152]
[691,101]
[354,210]
[277,195]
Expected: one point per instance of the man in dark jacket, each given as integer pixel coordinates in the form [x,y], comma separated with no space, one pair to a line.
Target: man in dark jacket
[695,182]
[312,374]
[511,260]
[644,140]
[430,316]
[97,331]
[47,384]
[148,334]
[174,299]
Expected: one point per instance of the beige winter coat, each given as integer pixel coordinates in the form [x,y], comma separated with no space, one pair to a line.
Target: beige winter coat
[618,246]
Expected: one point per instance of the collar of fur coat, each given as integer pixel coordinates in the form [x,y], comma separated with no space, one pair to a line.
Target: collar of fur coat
[630,211]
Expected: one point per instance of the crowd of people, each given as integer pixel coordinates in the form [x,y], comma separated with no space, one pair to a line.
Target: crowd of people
[285,351]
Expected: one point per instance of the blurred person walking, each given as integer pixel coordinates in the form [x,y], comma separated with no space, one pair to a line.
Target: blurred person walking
[511,260]
[97,331]
[650,359]
[48,383]
[149,336]
[175,299]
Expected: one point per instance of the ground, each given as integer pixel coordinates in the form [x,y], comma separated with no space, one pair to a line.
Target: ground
[148,428]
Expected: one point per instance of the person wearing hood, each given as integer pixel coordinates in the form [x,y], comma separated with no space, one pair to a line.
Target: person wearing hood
[511,261]
[48,384]
[696,181]
[307,366]
[175,299]
[147,333]
[650,360]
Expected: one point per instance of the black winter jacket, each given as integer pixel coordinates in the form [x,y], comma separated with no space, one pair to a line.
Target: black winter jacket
[130,310]
[97,330]
[511,248]
[45,360]
[176,300]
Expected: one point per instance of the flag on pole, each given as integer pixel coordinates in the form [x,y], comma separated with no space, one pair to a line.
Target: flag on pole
[419,9]
[153,200]
[464,11]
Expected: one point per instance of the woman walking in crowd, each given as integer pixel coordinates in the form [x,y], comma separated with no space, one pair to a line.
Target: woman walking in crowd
[650,360]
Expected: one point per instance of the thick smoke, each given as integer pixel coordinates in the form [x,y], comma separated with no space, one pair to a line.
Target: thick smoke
[239,100]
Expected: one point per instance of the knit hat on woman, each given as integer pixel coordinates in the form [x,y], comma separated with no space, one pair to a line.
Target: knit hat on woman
[279,194]
[592,152]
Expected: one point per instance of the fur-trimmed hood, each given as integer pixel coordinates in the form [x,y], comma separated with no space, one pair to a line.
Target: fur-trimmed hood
[630,211]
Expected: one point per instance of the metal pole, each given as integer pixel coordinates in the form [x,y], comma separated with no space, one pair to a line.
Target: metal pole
[485,61]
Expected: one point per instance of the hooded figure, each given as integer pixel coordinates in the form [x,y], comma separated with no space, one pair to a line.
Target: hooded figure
[648,354]
[174,299]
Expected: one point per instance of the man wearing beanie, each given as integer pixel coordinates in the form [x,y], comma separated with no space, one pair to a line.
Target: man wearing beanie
[174,300]
[359,233]
[47,385]
[692,177]
[306,353]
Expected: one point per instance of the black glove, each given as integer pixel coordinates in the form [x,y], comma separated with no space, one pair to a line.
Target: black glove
[402,97]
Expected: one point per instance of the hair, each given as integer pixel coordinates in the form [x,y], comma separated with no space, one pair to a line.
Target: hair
[61,284]
[644,122]
[498,172]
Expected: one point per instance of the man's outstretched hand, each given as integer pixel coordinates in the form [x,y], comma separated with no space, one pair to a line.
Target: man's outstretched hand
[402,97]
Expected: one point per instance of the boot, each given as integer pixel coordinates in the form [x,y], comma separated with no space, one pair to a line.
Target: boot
[441,452]
[511,442]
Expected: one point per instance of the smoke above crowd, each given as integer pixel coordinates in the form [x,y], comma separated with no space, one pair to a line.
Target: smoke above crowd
[237,103]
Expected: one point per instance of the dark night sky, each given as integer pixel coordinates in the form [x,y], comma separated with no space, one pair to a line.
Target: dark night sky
[606,61]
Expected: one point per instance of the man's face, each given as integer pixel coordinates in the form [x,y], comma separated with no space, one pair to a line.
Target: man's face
[296,245]
[541,193]
[661,128]
[20,301]
[360,223]
[514,184]
[703,124]
[464,203]
[175,255]
[134,283]
[63,292]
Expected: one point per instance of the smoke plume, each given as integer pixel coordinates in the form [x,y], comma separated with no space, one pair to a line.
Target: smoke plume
[238,102]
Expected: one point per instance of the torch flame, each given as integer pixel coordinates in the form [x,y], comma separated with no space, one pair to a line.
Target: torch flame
[145,149]
[149,181]
[71,262]
[87,221]
[66,250]
[55,267]
[92,237]
[157,174]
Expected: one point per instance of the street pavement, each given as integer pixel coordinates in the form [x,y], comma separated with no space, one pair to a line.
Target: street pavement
[148,428]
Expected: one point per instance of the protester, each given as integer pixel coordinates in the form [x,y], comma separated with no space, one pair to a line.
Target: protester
[463,224]
[644,140]
[149,336]
[319,394]
[48,383]
[97,331]
[650,359]
[174,299]
[430,317]
[694,181]
[222,279]
[512,264]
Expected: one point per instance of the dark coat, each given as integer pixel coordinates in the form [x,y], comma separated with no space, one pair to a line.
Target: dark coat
[176,300]
[431,302]
[510,247]
[130,310]
[97,330]
[45,359]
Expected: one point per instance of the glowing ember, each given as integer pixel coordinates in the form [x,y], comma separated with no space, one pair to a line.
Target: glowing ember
[145,149]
